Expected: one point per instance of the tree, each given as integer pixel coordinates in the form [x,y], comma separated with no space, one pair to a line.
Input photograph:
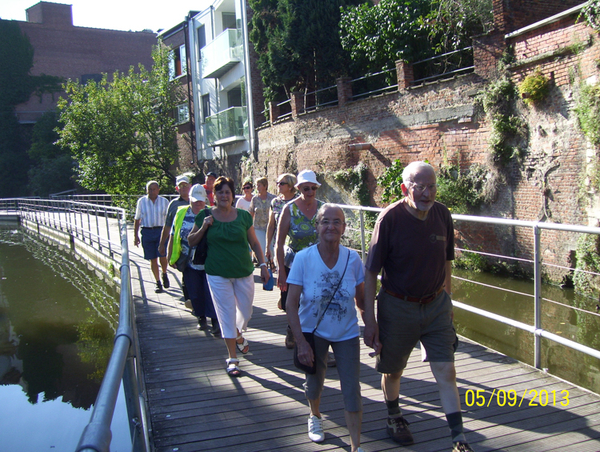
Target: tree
[298,44]
[122,133]
[16,85]
[52,169]
[410,30]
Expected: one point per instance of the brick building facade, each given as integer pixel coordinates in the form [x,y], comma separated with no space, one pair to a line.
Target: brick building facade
[64,50]
[444,122]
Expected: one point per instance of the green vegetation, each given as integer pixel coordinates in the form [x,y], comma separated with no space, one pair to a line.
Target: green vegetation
[534,88]
[355,181]
[508,129]
[122,133]
[591,14]
[461,192]
[587,110]
[391,181]
[298,44]
[16,85]
[588,260]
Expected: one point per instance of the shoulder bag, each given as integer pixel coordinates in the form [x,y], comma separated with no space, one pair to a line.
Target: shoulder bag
[202,247]
[310,337]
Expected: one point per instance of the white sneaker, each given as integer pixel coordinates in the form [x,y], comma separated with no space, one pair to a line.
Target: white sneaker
[315,429]
[360,449]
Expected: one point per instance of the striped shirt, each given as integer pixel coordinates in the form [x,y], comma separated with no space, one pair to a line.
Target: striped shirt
[151,214]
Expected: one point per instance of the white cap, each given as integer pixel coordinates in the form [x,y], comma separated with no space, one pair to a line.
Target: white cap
[181,179]
[307,176]
[198,193]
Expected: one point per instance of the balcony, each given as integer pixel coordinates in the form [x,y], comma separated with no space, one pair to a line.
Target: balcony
[227,126]
[222,54]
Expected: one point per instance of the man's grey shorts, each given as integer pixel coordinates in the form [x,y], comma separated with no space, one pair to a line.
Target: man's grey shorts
[403,323]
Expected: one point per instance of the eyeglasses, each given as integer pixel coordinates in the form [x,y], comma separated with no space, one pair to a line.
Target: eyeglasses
[307,189]
[335,223]
[247,188]
[282,183]
[421,187]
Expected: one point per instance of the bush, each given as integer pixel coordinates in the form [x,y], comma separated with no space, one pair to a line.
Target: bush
[534,88]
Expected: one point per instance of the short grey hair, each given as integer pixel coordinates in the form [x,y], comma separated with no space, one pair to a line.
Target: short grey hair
[326,206]
[413,168]
[152,182]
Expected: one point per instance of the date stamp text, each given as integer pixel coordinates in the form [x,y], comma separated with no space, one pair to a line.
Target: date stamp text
[528,397]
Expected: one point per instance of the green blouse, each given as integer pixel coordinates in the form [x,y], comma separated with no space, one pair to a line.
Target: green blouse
[228,254]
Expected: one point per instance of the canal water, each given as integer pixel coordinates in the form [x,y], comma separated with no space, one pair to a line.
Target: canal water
[564,313]
[57,325]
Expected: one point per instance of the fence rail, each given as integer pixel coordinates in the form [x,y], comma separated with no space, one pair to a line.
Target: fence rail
[89,223]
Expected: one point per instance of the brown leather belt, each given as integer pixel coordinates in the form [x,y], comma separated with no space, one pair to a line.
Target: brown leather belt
[424,300]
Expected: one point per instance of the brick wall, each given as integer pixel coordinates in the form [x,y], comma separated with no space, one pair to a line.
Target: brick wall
[443,122]
[63,50]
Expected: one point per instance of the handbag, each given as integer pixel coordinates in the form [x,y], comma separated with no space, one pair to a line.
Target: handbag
[182,261]
[202,247]
[310,337]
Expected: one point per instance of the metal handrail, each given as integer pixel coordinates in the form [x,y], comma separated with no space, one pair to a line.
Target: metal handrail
[75,219]
[536,228]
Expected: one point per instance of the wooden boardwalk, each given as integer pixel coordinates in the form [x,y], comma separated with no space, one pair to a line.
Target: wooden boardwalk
[196,406]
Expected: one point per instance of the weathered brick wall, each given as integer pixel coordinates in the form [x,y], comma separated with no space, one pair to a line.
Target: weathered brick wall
[510,15]
[443,122]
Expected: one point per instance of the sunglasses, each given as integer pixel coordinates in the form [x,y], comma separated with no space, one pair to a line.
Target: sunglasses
[307,189]
[247,188]
[282,183]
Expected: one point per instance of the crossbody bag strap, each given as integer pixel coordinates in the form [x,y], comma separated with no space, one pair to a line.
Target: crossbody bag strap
[333,294]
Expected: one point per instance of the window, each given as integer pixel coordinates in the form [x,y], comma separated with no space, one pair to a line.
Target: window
[182,114]
[228,20]
[234,97]
[201,40]
[205,107]
[177,62]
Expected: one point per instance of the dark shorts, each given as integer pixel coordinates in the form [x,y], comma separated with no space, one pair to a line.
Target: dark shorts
[404,323]
[150,242]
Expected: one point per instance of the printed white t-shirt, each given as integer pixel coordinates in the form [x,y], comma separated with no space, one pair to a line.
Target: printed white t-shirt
[318,282]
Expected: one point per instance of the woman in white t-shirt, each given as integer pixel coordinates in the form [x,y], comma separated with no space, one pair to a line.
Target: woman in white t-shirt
[327,281]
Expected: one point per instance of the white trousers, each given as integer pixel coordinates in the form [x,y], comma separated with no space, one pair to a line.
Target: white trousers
[232,298]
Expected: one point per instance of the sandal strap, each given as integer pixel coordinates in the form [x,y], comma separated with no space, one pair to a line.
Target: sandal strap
[231,361]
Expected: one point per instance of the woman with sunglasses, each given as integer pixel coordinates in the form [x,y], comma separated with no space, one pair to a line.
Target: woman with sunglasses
[287,191]
[297,226]
[244,201]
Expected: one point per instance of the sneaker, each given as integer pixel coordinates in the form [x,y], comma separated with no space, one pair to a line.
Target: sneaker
[315,429]
[397,428]
[460,446]
[360,449]
[159,288]
[289,339]
[166,283]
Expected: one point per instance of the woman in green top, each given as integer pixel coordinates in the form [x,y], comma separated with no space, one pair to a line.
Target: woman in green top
[229,267]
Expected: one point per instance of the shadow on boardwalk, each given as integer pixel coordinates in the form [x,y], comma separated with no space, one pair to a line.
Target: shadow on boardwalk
[195,406]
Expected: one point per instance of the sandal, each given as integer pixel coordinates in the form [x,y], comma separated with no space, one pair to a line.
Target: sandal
[232,369]
[243,346]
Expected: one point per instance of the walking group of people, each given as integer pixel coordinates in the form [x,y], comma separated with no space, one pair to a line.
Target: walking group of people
[324,285]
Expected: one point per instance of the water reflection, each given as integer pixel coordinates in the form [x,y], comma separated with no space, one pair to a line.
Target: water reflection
[563,313]
[57,325]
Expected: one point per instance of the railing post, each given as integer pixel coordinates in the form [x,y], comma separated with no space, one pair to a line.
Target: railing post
[404,74]
[363,246]
[297,106]
[537,295]
[344,91]
[273,112]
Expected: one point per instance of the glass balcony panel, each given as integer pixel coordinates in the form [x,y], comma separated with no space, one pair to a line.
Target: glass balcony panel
[227,126]
[222,54]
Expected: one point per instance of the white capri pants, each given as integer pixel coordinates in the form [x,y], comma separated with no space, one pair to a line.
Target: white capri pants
[232,298]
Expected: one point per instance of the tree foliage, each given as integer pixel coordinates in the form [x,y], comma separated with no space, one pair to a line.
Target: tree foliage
[16,85]
[298,44]
[410,30]
[377,36]
[122,133]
